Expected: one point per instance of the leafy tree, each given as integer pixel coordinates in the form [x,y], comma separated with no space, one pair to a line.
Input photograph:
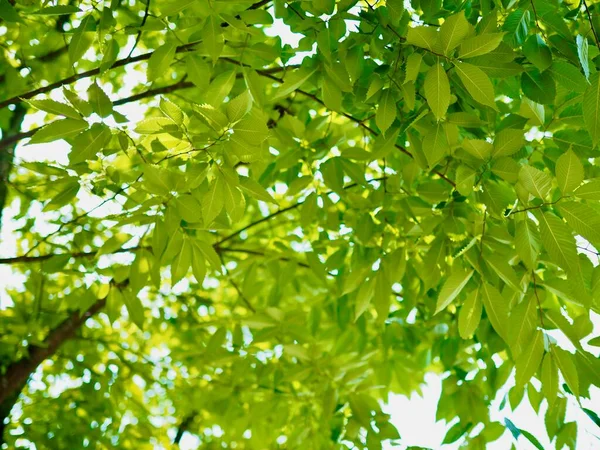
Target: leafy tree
[283,241]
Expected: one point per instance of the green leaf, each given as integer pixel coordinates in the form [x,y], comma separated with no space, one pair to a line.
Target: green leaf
[239,106]
[452,288]
[220,88]
[539,87]
[536,182]
[537,52]
[504,271]
[252,130]
[558,241]
[88,143]
[477,84]
[182,262]
[591,108]
[569,172]
[589,190]
[470,315]
[583,219]
[212,37]
[59,129]
[82,39]
[478,148]
[549,378]
[198,264]
[256,190]
[160,61]
[172,111]
[135,309]
[188,207]
[564,361]
[364,298]
[496,308]
[480,45]
[332,95]
[293,81]
[213,201]
[424,37]
[54,107]
[527,242]
[582,52]
[234,201]
[437,91]
[209,254]
[435,145]
[568,76]
[529,360]
[99,101]
[413,65]
[508,142]
[386,111]
[453,31]
[395,9]
[198,70]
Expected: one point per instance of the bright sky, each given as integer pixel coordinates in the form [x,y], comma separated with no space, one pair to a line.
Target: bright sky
[415,416]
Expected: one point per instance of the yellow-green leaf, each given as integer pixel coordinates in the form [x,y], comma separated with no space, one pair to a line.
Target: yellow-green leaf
[470,315]
[569,172]
[452,288]
[477,84]
[386,111]
[437,90]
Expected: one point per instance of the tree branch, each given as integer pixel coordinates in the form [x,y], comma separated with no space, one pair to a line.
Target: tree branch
[587,10]
[90,73]
[17,374]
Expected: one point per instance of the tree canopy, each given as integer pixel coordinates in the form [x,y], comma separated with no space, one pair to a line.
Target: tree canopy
[257,243]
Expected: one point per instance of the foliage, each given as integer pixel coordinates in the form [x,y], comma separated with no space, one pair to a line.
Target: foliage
[283,241]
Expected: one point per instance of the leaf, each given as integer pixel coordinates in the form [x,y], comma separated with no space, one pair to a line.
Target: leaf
[198,70]
[539,87]
[54,107]
[209,254]
[424,37]
[59,129]
[213,201]
[453,31]
[569,172]
[536,182]
[239,106]
[212,36]
[549,378]
[88,143]
[188,207]
[477,84]
[435,145]
[82,39]
[504,271]
[480,45]
[182,262]
[452,288]
[256,190]
[529,360]
[386,111]
[332,95]
[135,309]
[172,111]
[364,297]
[437,91]
[413,65]
[234,201]
[496,308]
[527,242]
[99,101]
[537,52]
[589,190]
[470,315]
[564,361]
[582,52]
[591,108]
[583,219]
[160,61]
[508,142]
[568,76]
[558,241]
[478,148]
[198,264]
[293,81]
